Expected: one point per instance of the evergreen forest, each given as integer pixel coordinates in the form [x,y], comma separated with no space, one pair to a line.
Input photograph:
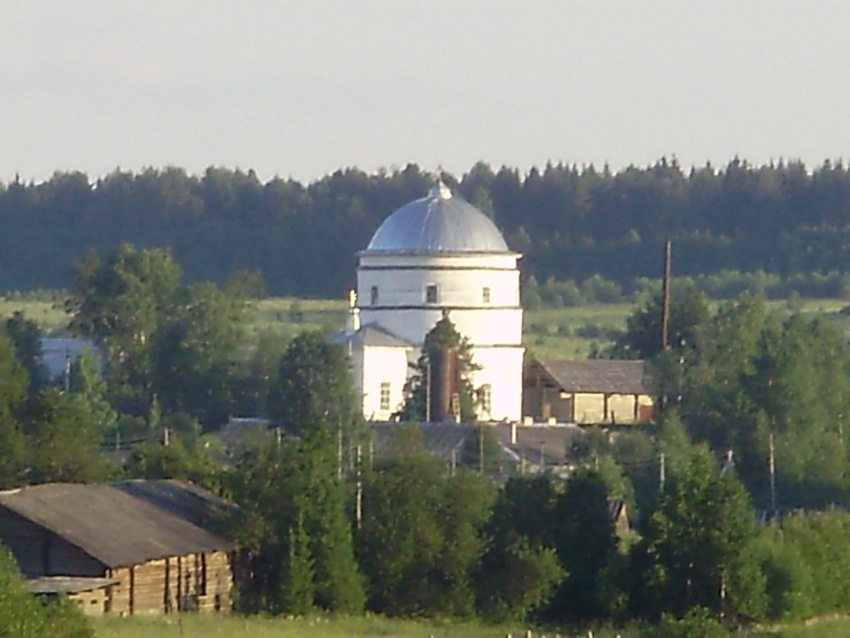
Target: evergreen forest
[785,221]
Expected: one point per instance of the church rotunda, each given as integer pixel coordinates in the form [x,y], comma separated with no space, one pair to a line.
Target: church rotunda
[436,256]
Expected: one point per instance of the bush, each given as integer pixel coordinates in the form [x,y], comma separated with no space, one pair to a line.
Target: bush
[697,623]
[66,620]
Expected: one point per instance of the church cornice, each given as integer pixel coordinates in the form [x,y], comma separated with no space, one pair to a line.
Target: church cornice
[436,307]
[453,268]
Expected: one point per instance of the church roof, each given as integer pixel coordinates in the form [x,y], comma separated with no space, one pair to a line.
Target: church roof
[370,335]
[437,223]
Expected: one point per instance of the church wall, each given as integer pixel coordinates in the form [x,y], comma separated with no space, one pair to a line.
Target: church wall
[383,365]
[502,370]
[455,287]
[481,327]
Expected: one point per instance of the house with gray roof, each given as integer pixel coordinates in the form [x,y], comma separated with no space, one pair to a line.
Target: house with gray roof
[597,391]
[132,547]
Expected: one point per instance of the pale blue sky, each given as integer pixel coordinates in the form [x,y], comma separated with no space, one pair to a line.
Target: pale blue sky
[303,88]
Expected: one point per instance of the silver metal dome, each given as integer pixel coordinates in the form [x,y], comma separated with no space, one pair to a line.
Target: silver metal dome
[438,223]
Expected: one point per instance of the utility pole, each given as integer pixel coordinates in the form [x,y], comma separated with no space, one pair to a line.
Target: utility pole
[665,295]
[67,371]
[772,476]
[428,389]
[166,437]
[481,450]
[730,462]
[662,471]
[358,502]
[339,449]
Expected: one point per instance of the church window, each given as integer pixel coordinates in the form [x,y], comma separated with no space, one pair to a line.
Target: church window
[431,294]
[486,395]
[385,395]
[373,295]
[485,294]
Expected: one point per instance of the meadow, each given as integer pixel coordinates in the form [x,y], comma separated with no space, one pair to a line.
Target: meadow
[567,333]
[235,626]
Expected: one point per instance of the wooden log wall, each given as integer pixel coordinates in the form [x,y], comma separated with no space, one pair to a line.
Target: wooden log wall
[195,582]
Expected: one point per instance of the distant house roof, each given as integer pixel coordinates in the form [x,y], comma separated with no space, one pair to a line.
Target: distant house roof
[442,439]
[125,523]
[58,352]
[598,375]
[372,335]
[539,444]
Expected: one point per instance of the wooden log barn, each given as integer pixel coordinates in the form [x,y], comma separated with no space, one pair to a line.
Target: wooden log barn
[132,547]
[598,391]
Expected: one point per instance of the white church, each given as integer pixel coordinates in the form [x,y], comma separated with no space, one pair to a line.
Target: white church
[436,255]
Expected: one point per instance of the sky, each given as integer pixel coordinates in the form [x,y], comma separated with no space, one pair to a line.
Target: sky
[301,89]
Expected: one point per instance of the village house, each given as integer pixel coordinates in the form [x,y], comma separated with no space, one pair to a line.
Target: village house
[598,391]
[131,547]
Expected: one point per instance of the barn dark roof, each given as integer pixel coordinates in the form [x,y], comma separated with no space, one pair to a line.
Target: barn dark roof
[126,523]
[599,375]
[186,500]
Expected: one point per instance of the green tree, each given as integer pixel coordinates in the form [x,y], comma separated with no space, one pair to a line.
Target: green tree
[21,615]
[586,543]
[26,336]
[520,570]
[689,315]
[63,440]
[763,375]
[441,340]
[13,390]
[315,403]
[88,388]
[173,461]
[314,396]
[419,543]
[121,302]
[196,354]
[699,543]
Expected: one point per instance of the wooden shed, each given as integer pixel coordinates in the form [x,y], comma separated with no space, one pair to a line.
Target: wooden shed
[137,547]
[588,392]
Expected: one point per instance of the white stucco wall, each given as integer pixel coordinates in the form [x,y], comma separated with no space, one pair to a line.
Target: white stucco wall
[502,369]
[382,365]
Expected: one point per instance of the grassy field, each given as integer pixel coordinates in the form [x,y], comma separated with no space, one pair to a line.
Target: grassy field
[50,316]
[196,626]
[568,333]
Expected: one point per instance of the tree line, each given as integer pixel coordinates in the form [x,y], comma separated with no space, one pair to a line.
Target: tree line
[571,223]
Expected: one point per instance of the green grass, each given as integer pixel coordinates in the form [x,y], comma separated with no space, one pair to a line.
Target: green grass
[51,317]
[234,626]
[834,627]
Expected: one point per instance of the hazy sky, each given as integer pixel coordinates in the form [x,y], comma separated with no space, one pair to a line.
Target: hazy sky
[303,88]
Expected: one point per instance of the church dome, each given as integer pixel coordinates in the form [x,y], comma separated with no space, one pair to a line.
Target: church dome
[438,223]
